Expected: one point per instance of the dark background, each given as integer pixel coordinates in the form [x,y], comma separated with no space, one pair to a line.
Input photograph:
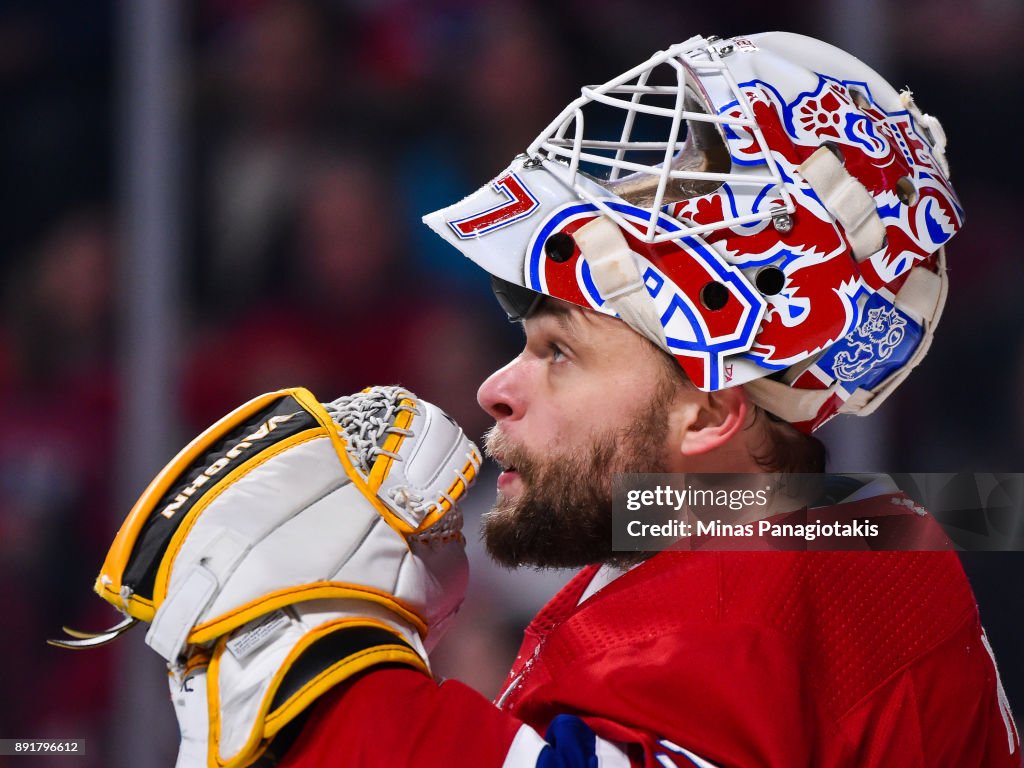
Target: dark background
[309,139]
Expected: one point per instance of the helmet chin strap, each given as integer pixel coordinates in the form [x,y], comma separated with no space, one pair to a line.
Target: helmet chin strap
[847,200]
[613,267]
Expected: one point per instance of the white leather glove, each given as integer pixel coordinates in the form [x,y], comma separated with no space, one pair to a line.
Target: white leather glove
[294,544]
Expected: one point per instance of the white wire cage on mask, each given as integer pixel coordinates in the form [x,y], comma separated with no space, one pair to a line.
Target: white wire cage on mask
[692,158]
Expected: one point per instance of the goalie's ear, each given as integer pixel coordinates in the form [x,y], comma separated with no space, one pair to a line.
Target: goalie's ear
[702,422]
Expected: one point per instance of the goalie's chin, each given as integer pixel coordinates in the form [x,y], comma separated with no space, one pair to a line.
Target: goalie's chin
[530,528]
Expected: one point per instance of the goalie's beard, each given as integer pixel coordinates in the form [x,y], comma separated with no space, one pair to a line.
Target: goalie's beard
[562,518]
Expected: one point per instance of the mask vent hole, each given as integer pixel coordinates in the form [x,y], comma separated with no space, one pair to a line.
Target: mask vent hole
[860,98]
[906,191]
[559,247]
[770,280]
[714,296]
[836,150]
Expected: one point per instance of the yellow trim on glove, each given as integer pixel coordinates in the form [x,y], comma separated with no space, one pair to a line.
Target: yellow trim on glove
[316,590]
[455,492]
[163,574]
[397,524]
[268,724]
[382,467]
[108,583]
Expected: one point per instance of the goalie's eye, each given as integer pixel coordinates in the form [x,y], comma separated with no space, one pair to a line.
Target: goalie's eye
[556,351]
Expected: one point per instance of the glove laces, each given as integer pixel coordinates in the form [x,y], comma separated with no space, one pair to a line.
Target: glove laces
[365,419]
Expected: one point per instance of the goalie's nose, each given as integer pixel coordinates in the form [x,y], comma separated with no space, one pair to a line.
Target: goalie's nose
[501,394]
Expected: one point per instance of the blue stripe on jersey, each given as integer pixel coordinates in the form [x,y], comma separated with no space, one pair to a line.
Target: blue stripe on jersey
[571,744]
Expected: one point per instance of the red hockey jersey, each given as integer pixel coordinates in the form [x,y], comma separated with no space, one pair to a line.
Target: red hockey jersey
[711,659]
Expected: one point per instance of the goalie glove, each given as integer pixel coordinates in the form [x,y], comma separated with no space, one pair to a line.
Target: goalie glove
[294,544]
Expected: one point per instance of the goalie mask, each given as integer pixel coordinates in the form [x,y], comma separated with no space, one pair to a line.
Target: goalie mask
[768,210]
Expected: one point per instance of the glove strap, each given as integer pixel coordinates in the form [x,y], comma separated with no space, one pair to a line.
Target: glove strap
[264,675]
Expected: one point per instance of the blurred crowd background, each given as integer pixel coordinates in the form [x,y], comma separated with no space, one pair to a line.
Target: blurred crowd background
[311,137]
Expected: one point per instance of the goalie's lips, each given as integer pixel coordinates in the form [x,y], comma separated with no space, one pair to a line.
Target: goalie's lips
[508,479]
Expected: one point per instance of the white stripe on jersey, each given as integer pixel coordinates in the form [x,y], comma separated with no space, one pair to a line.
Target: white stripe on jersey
[525,749]
[700,762]
[610,754]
